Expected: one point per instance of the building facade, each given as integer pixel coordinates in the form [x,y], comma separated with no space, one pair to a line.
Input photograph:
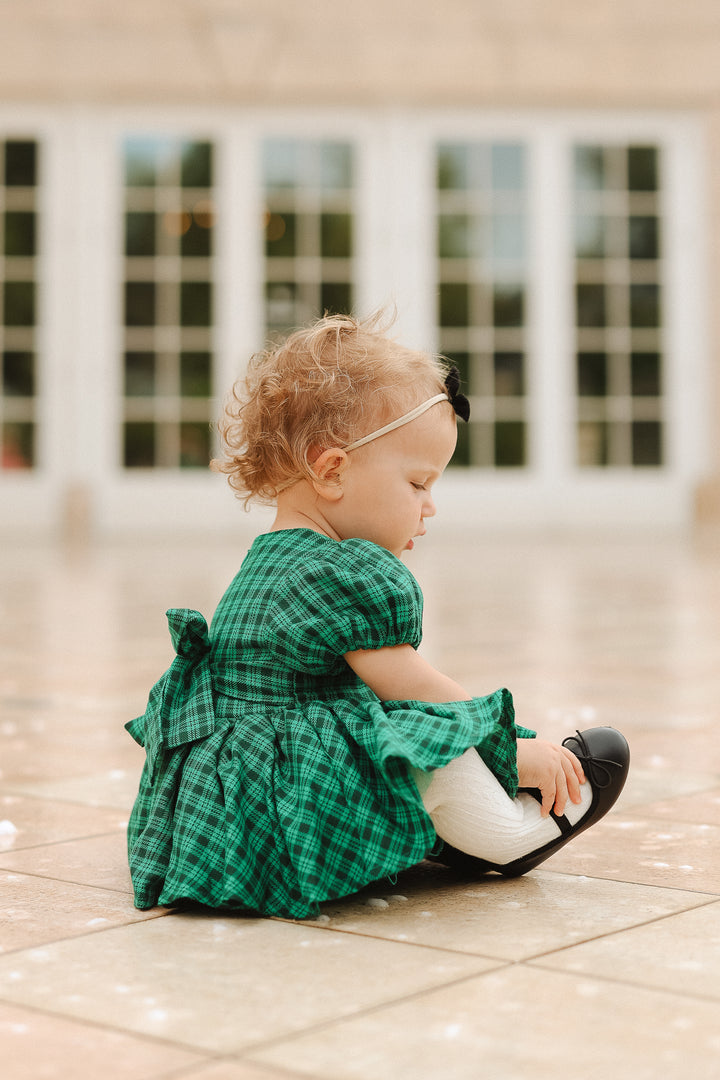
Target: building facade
[531,187]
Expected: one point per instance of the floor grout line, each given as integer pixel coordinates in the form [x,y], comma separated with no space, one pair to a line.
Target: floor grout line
[64,881]
[636,884]
[630,983]
[263,1043]
[370,1010]
[709,902]
[88,1021]
[17,952]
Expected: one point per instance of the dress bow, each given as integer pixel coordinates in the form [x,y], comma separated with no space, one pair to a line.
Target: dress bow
[180,708]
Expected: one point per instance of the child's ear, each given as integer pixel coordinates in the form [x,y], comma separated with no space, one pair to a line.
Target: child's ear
[329,467]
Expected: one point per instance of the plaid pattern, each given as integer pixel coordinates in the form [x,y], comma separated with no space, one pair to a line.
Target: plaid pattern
[274,778]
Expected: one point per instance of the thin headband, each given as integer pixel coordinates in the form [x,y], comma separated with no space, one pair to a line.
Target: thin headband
[459,402]
[401,420]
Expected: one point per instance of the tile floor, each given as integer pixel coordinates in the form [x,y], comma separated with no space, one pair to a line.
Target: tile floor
[606,961]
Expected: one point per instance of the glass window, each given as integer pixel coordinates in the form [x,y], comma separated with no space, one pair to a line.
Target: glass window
[168,303]
[618,306]
[482,246]
[19,161]
[309,231]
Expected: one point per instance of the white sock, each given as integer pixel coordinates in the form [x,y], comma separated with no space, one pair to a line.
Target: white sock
[471,810]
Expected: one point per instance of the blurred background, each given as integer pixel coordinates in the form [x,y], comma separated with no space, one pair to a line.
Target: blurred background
[533,186]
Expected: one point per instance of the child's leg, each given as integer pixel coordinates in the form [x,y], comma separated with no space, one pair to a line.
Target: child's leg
[471,811]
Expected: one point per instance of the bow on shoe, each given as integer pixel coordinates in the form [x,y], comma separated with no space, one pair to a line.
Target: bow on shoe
[597,768]
[459,402]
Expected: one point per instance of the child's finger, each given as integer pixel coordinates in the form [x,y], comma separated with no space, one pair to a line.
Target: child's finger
[576,764]
[573,779]
[548,798]
[561,793]
[574,774]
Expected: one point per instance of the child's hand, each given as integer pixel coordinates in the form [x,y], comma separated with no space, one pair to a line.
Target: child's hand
[551,768]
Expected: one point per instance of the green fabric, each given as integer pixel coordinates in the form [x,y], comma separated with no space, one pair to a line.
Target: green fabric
[274,778]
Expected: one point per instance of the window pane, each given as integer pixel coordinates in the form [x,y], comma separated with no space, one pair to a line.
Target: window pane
[646,443]
[139,450]
[642,168]
[508,236]
[18,445]
[592,374]
[644,305]
[508,305]
[453,167]
[591,305]
[281,163]
[139,303]
[140,234]
[646,374]
[20,233]
[280,231]
[510,444]
[139,374]
[140,162]
[454,305]
[592,443]
[194,446]
[19,303]
[508,167]
[589,236]
[589,168]
[20,164]
[453,236]
[509,374]
[196,238]
[18,374]
[195,303]
[462,448]
[336,166]
[196,165]
[335,297]
[195,374]
[281,304]
[461,360]
[644,237]
[336,235]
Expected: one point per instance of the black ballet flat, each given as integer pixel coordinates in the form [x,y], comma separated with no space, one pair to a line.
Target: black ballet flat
[605,757]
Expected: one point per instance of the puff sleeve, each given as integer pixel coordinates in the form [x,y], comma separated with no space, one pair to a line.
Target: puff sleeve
[359,596]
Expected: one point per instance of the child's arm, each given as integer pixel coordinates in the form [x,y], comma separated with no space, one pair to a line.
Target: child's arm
[399,673]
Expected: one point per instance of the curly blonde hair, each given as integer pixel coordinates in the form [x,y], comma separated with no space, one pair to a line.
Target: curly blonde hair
[324,386]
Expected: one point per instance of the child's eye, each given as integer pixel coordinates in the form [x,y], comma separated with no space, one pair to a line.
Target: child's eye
[418,487]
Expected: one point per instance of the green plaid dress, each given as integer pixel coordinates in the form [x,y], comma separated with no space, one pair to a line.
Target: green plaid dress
[274,778]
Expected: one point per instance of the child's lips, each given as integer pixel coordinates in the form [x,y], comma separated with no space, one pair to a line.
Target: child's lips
[411,543]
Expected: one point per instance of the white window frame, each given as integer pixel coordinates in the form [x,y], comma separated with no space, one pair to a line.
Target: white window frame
[80,311]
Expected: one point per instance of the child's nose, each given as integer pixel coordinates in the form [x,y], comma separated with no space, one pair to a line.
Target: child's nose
[429,509]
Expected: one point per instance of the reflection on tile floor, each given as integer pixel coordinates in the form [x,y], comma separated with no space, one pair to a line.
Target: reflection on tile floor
[603,962]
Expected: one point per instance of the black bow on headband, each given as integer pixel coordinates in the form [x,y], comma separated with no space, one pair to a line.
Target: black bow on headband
[459,402]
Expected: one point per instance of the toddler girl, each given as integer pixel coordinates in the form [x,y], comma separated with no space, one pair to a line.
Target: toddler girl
[302,748]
